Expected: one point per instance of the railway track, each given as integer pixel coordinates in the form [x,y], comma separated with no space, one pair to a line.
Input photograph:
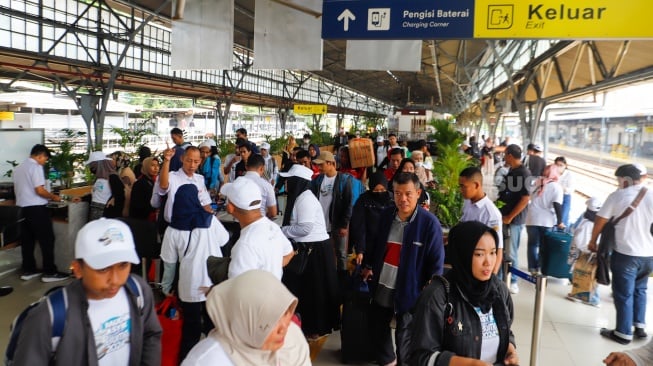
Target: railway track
[593,173]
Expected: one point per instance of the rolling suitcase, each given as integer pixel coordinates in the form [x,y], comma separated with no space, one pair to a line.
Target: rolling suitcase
[554,252]
[354,329]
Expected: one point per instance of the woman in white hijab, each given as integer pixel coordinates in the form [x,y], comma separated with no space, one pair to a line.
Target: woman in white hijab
[252,314]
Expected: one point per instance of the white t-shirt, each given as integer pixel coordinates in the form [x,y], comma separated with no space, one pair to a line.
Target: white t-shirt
[175,180]
[381,153]
[192,267]
[326,196]
[261,245]
[111,324]
[208,351]
[101,191]
[306,220]
[490,340]
[567,182]
[582,235]
[268,197]
[27,177]
[486,212]
[540,209]
[633,236]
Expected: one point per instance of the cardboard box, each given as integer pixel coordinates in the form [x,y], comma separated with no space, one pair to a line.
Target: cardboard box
[361,152]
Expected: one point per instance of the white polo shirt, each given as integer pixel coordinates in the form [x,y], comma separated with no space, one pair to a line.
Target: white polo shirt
[27,177]
[306,220]
[261,245]
[192,262]
[268,198]
[540,209]
[486,212]
[175,180]
[633,236]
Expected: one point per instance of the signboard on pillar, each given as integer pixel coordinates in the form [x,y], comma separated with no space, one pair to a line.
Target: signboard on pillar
[310,108]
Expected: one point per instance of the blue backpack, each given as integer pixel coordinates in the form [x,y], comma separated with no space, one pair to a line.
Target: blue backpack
[357,187]
[57,299]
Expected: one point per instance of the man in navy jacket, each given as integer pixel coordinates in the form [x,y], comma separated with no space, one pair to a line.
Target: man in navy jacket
[407,252]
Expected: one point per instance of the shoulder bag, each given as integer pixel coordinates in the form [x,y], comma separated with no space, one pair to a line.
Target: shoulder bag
[607,242]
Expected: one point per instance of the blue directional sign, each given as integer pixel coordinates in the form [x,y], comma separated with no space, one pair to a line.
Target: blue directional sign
[397,19]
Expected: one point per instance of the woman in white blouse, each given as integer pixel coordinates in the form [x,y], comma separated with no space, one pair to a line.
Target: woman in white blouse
[316,286]
[567,182]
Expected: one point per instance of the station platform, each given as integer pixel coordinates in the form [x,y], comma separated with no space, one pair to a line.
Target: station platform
[570,335]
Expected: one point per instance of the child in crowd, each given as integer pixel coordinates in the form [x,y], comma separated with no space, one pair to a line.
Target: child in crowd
[110,317]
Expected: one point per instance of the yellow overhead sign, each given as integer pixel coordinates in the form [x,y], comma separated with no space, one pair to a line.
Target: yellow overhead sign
[566,19]
[310,108]
[7,116]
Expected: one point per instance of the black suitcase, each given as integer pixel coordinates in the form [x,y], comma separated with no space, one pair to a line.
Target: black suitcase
[356,345]
[554,252]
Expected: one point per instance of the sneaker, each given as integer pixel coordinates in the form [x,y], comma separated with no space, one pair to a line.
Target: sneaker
[514,288]
[640,333]
[27,275]
[54,277]
[608,333]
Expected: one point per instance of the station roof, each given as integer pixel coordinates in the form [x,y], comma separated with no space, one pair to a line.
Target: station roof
[421,85]
[450,66]
[449,79]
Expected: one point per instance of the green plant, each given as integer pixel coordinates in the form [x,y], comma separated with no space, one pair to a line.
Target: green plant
[226,147]
[445,197]
[319,137]
[131,139]
[277,144]
[10,172]
[64,160]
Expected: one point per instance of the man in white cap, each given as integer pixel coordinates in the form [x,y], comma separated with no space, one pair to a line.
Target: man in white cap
[109,314]
[381,153]
[644,172]
[261,244]
[271,170]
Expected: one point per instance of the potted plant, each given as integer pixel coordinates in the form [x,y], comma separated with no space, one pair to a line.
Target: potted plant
[446,200]
[63,159]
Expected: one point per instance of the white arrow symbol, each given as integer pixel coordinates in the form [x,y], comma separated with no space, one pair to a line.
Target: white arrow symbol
[346,16]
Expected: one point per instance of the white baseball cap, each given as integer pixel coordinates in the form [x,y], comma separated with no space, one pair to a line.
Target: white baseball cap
[96,156]
[594,204]
[379,138]
[243,193]
[104,242]
[207,143]
[265,146]
[642,168]
[298,170]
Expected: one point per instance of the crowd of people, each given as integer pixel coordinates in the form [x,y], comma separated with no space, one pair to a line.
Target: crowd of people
[286,282]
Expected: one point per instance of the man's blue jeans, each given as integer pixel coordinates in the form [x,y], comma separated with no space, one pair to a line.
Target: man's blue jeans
[535,240]
[629,283]
[513,255]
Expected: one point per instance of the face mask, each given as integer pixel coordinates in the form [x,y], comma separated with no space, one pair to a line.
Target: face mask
[379,196]
[418,164]
[306,141]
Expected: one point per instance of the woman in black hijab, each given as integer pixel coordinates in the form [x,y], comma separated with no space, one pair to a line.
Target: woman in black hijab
[467,314]
[363,225]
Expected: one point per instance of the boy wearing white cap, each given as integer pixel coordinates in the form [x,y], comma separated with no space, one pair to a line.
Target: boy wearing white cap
[110,317]
[261,245]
